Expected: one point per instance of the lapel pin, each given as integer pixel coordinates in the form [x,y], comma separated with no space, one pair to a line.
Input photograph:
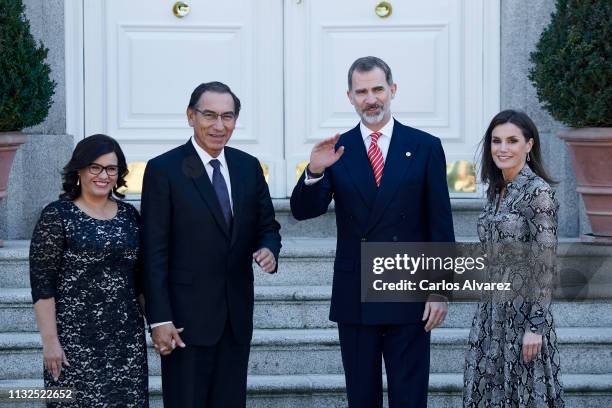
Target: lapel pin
[408,154]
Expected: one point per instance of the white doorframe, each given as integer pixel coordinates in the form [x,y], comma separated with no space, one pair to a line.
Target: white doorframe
[492,57]
[74,67]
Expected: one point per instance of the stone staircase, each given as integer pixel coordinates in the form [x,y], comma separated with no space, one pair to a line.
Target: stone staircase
[295,357]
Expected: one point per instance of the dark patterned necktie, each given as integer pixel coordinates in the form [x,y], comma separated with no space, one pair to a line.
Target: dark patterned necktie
[220,187]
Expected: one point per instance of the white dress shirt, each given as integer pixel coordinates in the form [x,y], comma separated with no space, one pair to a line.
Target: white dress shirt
[383,142]
[206,158]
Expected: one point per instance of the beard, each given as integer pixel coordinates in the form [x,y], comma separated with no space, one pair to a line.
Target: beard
[373,119]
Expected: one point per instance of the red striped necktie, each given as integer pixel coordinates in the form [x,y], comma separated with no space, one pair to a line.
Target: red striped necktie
[376,157]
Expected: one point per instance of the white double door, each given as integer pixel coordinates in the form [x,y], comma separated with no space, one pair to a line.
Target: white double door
[287,61]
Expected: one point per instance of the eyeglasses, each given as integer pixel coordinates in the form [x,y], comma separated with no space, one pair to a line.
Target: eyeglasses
[96,169]
[210,116]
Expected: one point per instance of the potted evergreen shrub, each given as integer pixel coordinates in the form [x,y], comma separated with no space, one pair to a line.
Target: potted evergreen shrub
[572,74]
[25,86]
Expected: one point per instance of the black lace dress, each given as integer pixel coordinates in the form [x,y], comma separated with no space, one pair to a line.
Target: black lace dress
[90,267]
[521,238]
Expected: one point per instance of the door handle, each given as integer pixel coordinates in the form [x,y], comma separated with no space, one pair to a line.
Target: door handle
[180,9]
[383,9]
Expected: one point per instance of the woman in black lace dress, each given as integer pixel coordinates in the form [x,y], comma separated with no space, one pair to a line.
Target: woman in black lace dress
[513,359]
[85,284]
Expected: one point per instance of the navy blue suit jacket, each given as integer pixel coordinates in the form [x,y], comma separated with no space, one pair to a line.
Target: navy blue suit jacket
[411,205]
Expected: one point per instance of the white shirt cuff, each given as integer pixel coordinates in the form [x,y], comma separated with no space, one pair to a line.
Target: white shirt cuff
[159,324]
[310,181]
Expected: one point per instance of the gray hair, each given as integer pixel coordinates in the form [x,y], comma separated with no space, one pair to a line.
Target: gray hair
[366,64]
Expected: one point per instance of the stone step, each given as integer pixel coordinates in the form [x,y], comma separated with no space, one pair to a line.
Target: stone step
[307,307]
[275,307]
[14,265]
[328,391]
[299,351]
[302,262]
[309,262]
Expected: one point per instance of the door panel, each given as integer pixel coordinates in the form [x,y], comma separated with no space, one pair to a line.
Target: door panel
[142,62]
[434,48]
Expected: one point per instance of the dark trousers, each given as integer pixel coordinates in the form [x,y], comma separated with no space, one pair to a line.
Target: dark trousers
[206,376]
[405,349]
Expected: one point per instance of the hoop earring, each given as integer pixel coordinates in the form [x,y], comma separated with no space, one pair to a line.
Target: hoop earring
[528,157]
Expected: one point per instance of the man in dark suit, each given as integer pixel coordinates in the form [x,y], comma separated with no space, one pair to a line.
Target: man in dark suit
[388,182]
[206,215]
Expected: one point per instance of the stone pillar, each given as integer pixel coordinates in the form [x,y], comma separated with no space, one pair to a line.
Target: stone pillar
[522,22]
[36,174]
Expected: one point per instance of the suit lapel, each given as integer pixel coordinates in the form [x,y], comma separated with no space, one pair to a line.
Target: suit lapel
[195,170]
[237,180]
[396,166]
[355,159]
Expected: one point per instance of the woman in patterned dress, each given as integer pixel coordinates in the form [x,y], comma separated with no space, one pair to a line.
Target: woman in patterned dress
[513,359]
[86,284]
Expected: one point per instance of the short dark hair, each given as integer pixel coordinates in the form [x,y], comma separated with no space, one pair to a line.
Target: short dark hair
[217,87]
[366,64]
[85,153]
[490,173]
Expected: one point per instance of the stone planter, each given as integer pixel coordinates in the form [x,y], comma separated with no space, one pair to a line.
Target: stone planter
[9,143]
[591,150]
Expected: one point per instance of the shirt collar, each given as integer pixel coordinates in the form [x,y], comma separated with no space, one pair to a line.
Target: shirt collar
[205,157]
[521,178]
[386,130]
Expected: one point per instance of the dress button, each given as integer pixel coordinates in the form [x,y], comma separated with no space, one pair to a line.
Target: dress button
[364,239]
[395,238]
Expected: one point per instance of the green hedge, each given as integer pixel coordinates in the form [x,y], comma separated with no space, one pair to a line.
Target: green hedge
[572,70]
[25,86]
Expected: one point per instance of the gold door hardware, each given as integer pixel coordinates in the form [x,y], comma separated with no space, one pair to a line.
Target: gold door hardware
[383,9]
[181,9]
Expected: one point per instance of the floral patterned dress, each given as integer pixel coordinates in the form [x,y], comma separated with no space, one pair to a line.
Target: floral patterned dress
[521,237]
[90,267]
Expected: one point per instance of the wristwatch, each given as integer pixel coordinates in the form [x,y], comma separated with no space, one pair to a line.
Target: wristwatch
[311,174]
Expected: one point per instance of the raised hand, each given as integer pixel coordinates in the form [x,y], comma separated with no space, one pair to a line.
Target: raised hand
[324,154]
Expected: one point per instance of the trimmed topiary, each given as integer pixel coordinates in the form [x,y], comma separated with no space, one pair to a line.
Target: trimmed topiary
[25,86]
[572,70]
